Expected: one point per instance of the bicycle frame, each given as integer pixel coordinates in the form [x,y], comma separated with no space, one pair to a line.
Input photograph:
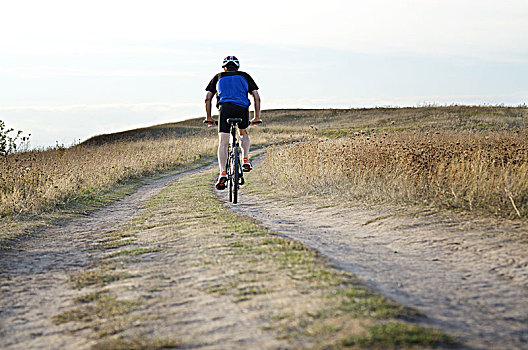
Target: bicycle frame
[234,168]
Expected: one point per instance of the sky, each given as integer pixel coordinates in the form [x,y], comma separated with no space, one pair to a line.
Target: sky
[70,70]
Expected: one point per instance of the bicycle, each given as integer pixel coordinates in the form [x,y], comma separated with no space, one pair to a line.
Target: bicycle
[235,174]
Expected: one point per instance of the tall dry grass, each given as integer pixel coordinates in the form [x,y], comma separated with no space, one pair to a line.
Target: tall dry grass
[34,181]
[482,171]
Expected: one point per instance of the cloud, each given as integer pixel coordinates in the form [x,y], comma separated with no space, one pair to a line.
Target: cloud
[397,101]
[58,71]
[485,29]
[136,107]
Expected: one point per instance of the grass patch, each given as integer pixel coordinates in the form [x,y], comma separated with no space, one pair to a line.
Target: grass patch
[247,292]
[396,335]
[92,297]
[364,303]
[100,305]
[114,244]
[133,252]
[137,343]
[99,277]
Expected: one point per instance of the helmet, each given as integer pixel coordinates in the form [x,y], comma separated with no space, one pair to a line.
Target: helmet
[231,60]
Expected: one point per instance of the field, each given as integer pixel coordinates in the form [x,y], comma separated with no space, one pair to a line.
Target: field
[484,172]
[470,158]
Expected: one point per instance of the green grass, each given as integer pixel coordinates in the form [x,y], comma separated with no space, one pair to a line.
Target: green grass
[133,252]
[136,343]
[91,297]
[363,302]
[100,276]
[99,306]
[397,335]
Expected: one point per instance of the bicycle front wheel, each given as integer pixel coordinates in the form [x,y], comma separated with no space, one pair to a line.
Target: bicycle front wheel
[230,177]
[236,176]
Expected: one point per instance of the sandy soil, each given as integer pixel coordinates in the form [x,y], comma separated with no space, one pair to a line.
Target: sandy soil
[35,276]
[469,276]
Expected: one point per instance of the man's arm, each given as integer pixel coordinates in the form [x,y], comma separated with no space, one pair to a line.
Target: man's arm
[208,100]
[256,100]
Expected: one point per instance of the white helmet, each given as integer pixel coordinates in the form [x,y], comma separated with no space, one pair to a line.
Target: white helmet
[231,60]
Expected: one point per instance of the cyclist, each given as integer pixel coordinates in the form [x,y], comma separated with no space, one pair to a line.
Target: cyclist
[231,88]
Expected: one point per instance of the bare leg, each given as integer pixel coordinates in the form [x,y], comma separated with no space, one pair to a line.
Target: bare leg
[223,145]
[244,142]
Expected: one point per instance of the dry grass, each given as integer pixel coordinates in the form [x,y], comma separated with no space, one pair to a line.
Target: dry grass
[37,181]
[486,169]
[482,171]
[41,180]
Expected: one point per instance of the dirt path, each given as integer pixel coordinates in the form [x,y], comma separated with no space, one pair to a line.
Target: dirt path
[470,278]
[466,280]
[36,286]
[35,276]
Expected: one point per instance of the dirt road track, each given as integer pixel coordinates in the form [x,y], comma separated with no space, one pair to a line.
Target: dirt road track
[468,281]
[469,278]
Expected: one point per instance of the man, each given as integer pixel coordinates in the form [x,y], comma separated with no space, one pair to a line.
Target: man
[232,88]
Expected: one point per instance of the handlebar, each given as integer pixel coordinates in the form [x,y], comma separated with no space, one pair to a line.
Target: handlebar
[214,122]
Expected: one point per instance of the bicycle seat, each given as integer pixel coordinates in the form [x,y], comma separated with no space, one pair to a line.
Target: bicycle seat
[234,120]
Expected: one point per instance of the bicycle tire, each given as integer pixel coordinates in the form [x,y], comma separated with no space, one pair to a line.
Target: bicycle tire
[230,190]
[229,166]
[236,174]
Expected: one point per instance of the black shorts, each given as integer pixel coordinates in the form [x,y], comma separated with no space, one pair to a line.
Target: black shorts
[229,110]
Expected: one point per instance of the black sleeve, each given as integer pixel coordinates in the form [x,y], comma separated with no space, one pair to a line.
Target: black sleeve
[212,85]
[251,83]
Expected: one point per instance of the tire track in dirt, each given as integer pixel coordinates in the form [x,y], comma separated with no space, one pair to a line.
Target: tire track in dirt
[469,278]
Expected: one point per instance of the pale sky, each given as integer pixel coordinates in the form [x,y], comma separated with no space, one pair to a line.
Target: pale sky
[73,69]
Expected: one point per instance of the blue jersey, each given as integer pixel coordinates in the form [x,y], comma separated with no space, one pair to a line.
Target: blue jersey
[232,87]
